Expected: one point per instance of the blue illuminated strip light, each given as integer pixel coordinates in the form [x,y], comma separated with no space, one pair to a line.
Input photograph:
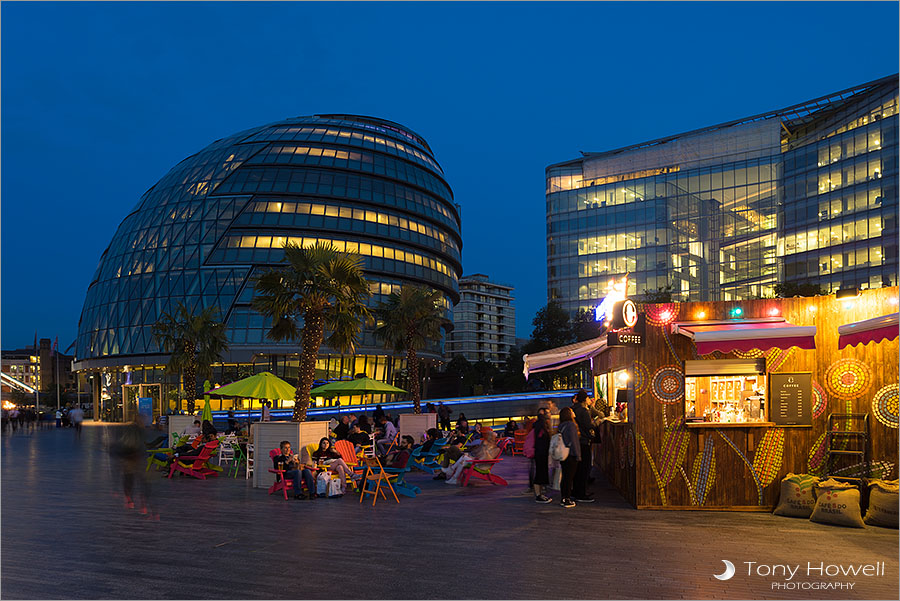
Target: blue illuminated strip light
[288,413]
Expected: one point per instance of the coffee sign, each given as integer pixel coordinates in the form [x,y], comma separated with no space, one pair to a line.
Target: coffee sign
[790,399]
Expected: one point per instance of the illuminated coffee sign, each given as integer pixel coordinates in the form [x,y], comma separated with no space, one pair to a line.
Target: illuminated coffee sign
[626,325]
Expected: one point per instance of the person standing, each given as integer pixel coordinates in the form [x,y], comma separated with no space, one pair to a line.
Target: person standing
[585,436]
[541,433]
[266,411]
[444,416]
[59,418]
[568,431]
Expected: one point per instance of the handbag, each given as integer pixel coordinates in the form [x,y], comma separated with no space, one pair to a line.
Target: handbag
[334,487]
[322,483]
[558,449]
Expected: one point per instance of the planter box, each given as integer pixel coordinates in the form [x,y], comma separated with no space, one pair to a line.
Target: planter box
[268,435]
[416,425]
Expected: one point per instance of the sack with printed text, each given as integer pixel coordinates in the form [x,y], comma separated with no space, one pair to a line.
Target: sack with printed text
[797,497]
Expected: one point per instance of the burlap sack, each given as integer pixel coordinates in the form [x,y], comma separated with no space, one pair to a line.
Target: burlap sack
[797,498]
[837,503]
[882,509]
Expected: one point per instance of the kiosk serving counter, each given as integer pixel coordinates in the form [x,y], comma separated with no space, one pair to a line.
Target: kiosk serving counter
[722,399]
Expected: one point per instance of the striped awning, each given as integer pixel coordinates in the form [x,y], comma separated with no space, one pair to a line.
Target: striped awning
[869,330]
[746,334]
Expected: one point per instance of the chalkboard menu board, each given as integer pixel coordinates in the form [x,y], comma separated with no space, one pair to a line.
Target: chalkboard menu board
[790,399]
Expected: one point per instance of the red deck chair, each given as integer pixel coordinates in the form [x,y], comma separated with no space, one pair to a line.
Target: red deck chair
[280,483]
[196,466]
[481,469]
[519,442]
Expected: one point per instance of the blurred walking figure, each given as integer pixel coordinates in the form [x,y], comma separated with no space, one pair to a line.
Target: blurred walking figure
[128,451]
[76,416]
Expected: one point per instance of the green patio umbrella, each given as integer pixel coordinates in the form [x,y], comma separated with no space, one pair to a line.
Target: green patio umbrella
[207,410]
[263,385]
[353,387]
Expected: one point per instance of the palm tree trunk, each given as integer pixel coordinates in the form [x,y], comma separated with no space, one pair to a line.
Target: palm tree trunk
[313,333]
[190,377]
[412,368]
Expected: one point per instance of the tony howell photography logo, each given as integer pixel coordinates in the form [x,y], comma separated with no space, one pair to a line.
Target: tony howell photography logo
[811,575]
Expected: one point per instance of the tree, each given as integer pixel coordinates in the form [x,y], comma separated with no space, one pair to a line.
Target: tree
[196,341]
[584,326]
[410,319]
[663,294]
[790,289]
[326,290]
[552,328]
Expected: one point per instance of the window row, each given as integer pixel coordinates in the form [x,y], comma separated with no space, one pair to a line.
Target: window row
[344,212]
[832,234]
[356,161]
[831,206]
[824,263]
[344,136]
[324,183]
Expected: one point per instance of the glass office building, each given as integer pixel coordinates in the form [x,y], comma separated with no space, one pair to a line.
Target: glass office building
[221,216]
[806,194]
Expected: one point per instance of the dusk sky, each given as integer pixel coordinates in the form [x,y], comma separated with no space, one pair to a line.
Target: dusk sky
[100,100]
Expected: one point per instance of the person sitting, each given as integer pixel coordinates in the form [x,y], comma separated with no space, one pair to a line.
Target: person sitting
[389,433]
[364,424]
[294,471]
[343,428]
[331,459]
[193,429]
[358,437]
[460,435]
[192,448]
[232,423]
[510,430]
[400,457]
[486,450]
[431,437]
[207,429]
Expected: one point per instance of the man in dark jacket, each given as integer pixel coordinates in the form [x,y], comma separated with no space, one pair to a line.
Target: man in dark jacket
[586,434]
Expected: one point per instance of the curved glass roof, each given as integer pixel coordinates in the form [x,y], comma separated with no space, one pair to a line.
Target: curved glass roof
[220,216]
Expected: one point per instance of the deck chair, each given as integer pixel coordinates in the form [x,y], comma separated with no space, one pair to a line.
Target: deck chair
[503,444]
[372,482]
[397,478]
[159,458]
[280,483]
[196,466]
[427,460]
[239,458]
[519,442]
[348,454]
[250,460]
[481,469]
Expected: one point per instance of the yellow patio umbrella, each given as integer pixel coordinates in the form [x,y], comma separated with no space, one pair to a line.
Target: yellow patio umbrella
[263,385]
[207,410]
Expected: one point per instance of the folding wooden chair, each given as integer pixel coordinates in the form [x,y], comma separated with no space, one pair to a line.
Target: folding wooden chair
[372,482]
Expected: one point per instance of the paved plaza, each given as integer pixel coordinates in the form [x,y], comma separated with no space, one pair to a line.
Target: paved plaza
[66,534]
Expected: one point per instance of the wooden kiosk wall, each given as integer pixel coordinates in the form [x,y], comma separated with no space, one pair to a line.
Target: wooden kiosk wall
[681,466]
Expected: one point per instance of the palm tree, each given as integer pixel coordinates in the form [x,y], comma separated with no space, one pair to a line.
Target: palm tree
[324,289]
[410,319]
[196,341]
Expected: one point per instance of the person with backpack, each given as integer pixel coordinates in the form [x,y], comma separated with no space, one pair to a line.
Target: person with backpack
[540,451]
[567,450]
[586,435]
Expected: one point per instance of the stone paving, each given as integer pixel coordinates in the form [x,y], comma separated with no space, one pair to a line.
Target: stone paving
[65,534]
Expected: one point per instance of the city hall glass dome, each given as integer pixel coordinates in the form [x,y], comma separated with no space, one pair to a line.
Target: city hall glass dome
[222,215]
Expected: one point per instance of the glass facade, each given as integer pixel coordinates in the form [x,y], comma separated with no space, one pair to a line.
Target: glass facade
[221,216]
[484,321]
[807,194]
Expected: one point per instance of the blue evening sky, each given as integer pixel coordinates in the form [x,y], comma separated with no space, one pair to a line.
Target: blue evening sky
[100,100]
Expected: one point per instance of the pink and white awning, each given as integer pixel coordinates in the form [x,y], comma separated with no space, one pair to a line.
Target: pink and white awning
[746,334]
[863,332]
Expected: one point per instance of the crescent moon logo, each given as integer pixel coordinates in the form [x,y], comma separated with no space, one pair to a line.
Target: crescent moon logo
[728,573]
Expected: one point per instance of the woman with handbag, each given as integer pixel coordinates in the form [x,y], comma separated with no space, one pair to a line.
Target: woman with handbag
[568,433]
